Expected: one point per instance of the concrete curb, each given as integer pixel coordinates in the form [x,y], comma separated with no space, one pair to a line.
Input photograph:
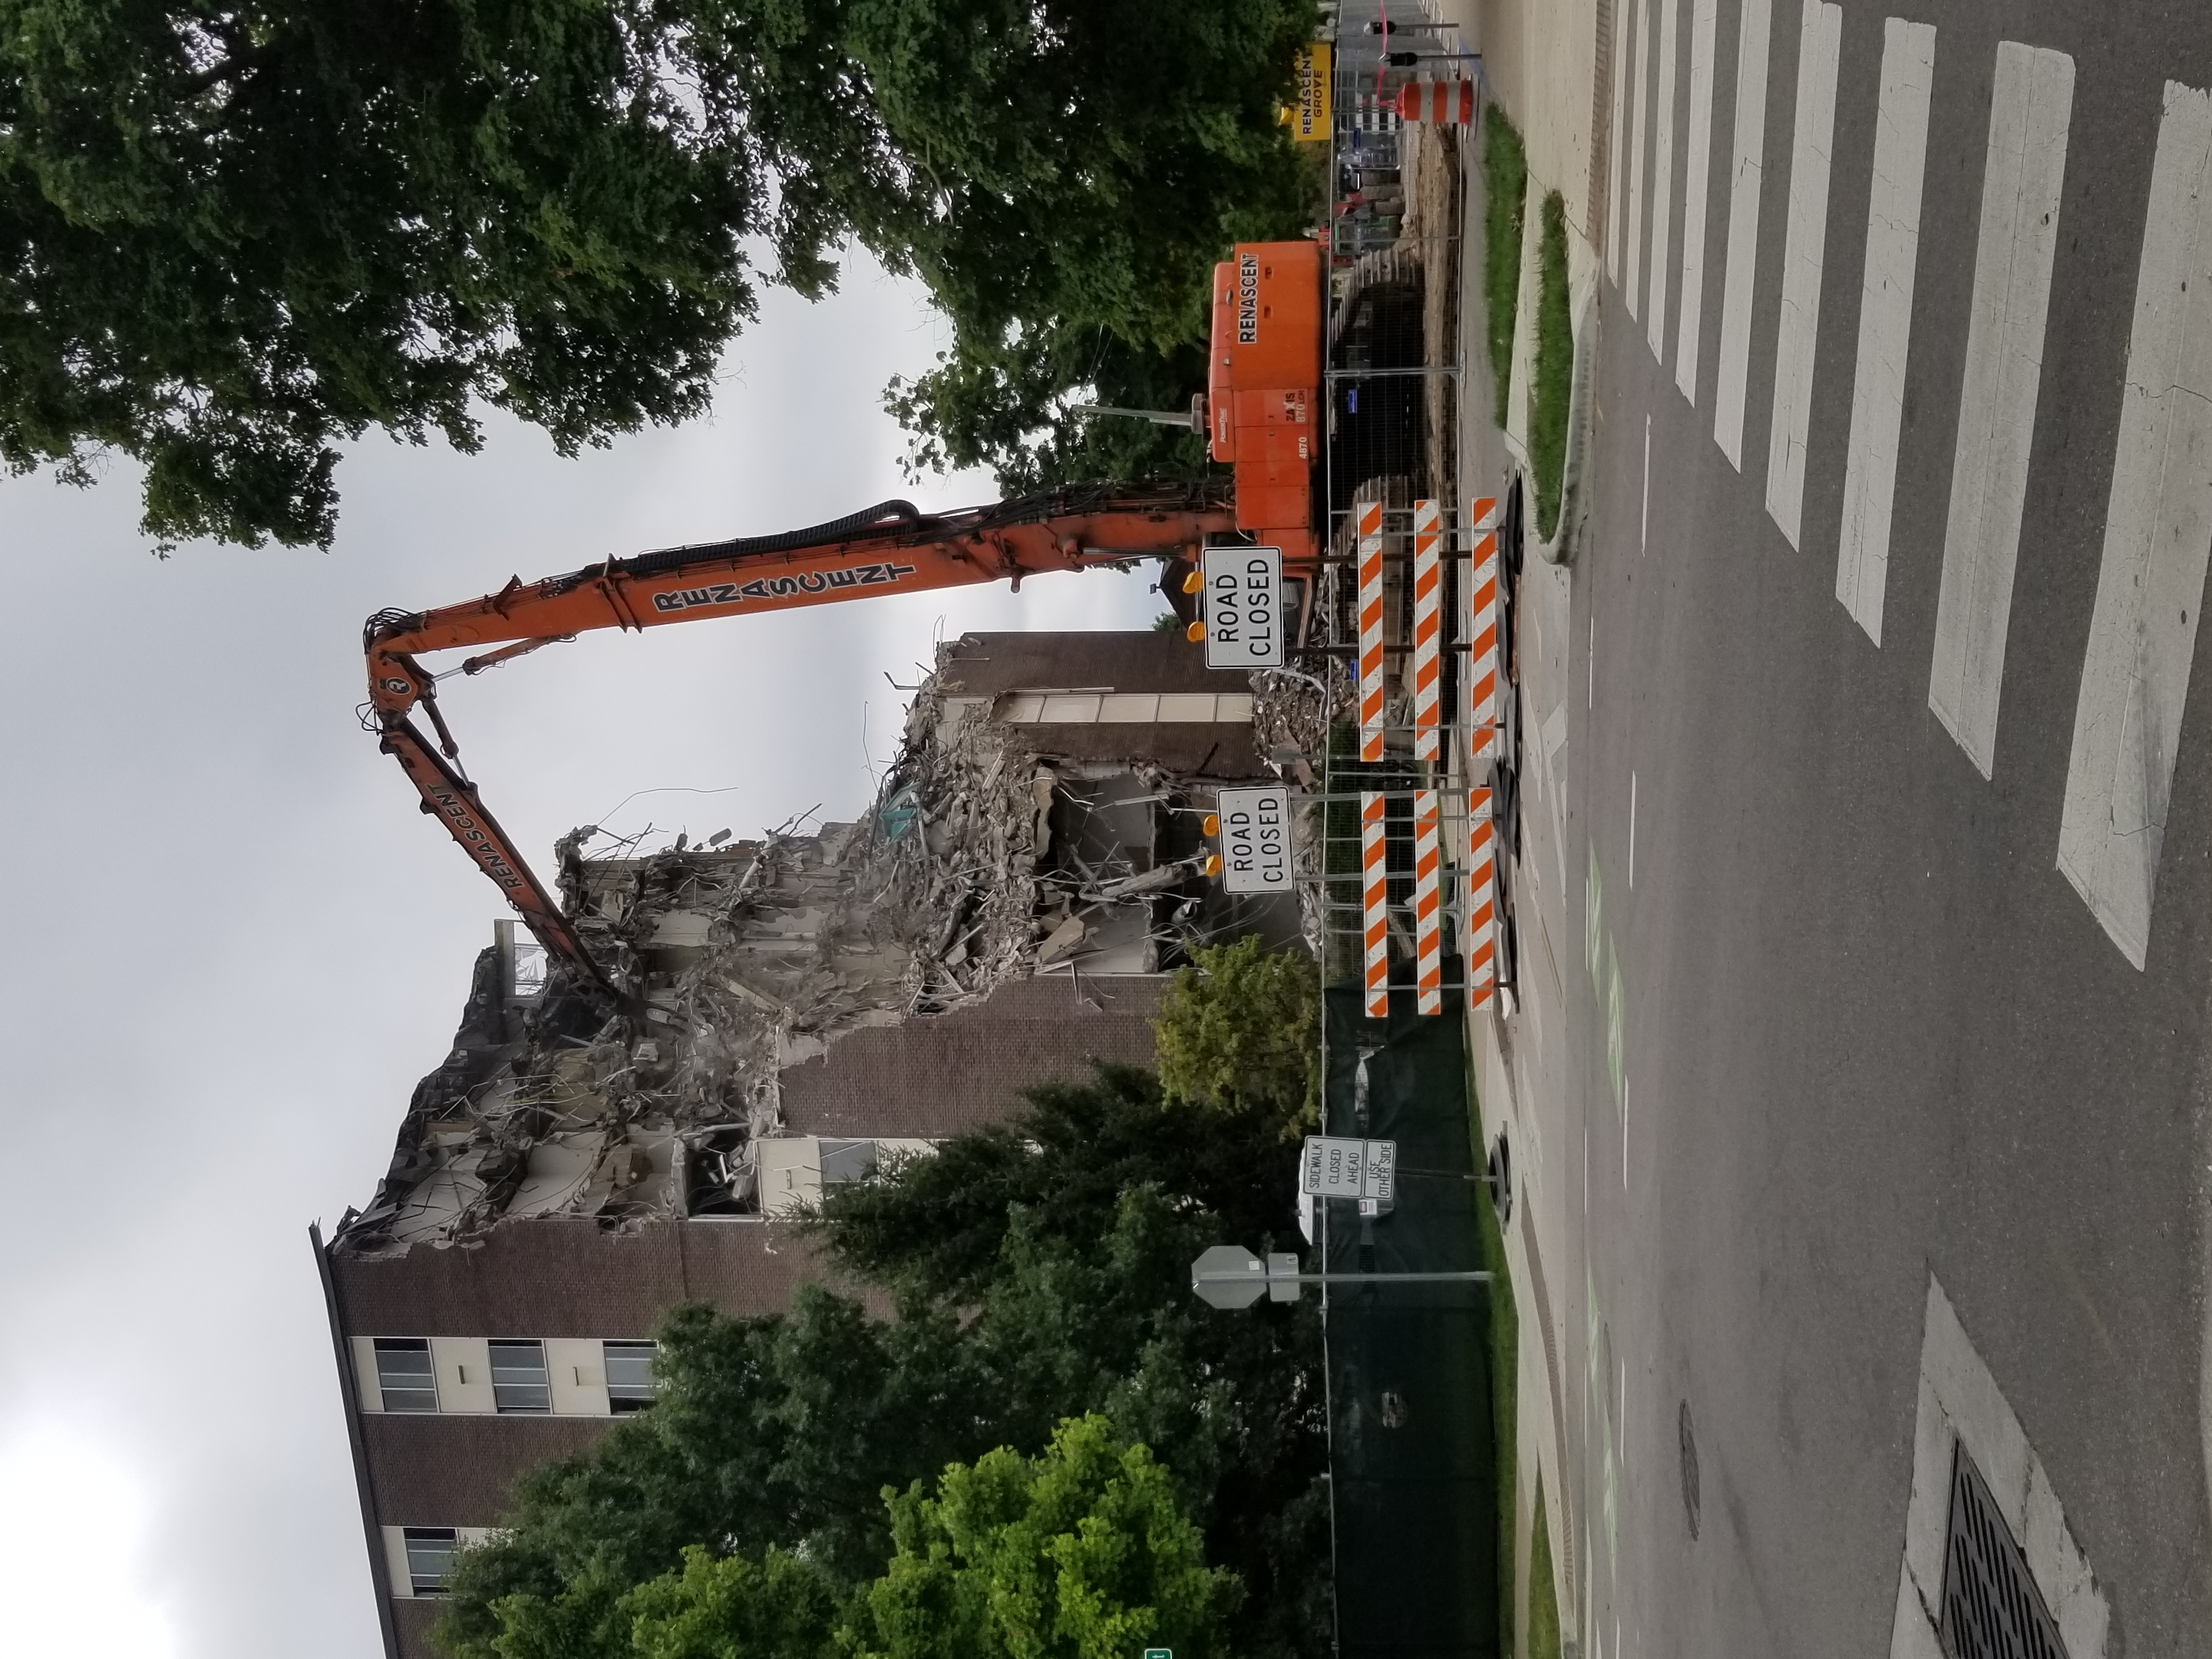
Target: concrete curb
[1574,508]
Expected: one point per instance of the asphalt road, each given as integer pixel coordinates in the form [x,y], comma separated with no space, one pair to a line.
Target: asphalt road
[1868,1031]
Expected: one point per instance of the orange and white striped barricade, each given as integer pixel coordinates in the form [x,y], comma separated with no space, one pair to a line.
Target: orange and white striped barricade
[1479,901]
[1428,626]
[1370,631]
[1374,901]
[1484,713]
[1428,905]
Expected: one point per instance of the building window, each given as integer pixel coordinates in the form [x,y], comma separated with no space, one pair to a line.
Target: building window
[630,1387]
[1126,708]
[429,1557]
[518,1381]
[530,964]
[403,1376]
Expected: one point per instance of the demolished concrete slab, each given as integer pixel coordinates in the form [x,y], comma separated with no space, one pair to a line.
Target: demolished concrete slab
[1042,815]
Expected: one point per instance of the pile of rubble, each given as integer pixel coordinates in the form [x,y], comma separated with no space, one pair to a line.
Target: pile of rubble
[963,819]
[739,960]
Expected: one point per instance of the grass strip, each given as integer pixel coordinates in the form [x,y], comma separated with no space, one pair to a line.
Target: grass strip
[1543,1594]
[1555,367]
[1504,186]
[1504,1382]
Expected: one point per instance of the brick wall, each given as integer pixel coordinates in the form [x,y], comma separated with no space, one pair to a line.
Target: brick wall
[566,1276]
[957,1071]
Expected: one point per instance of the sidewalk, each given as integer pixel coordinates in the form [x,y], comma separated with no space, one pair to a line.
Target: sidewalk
[1540,59]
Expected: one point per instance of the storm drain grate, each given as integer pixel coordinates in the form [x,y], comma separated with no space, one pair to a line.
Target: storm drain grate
[1991,1608]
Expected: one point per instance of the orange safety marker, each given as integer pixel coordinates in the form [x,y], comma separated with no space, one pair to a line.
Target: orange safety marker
[1428,626]
[1370,631]
[1428,905]
[1446,103]
[1481,884]
[1374,904]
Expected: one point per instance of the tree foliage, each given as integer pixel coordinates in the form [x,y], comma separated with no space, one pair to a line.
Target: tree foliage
[234,233]
[1040,1272]
[231,235]
[1084,1552]
[733,1607]
[1240,1031]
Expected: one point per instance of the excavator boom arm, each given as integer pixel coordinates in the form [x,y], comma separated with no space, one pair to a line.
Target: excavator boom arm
[887,548]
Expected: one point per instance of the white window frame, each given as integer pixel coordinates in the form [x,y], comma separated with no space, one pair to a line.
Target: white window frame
[543,1383]
[379,1346]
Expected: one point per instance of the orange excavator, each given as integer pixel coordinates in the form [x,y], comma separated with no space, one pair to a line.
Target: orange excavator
[1263,392]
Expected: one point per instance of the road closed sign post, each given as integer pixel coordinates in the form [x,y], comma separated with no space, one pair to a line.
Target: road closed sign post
[1255,840]
[1243,606]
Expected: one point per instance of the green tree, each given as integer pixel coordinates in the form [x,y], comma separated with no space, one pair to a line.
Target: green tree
[778,1430]
[1007,406]
[735,1607]
[939,1227]
[1081,1554]
[1240,1031]
[1049,1280]
[234,233]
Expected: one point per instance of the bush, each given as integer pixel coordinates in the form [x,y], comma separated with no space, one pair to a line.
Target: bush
[1241,1032]
[1504,186]
[1555,367]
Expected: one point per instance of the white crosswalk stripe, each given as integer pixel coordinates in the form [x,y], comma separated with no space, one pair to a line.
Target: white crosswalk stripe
[1819,46]
[1632,290]
[1703,21]
[1662,180]
[1616,204]
[2031,106]
[2158,535]
[1893,249]
[2157,551]
[1746,173]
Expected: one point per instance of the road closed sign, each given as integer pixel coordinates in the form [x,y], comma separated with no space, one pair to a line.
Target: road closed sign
[1255,840]
[1243,606]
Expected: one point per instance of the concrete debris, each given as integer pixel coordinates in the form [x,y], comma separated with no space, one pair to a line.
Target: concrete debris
[1288,713]
[981,859]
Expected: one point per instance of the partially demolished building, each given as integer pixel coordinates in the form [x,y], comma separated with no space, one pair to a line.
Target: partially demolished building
[1032,864]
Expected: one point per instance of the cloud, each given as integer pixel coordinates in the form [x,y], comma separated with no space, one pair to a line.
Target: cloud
[73,1538]
[234,943]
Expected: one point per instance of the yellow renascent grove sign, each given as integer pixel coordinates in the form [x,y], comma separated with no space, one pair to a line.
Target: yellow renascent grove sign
[1308,119]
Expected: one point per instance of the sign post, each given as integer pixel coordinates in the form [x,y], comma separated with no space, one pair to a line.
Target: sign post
[1231,1276]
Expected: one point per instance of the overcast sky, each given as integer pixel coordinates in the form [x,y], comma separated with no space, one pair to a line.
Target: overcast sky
[237,943]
